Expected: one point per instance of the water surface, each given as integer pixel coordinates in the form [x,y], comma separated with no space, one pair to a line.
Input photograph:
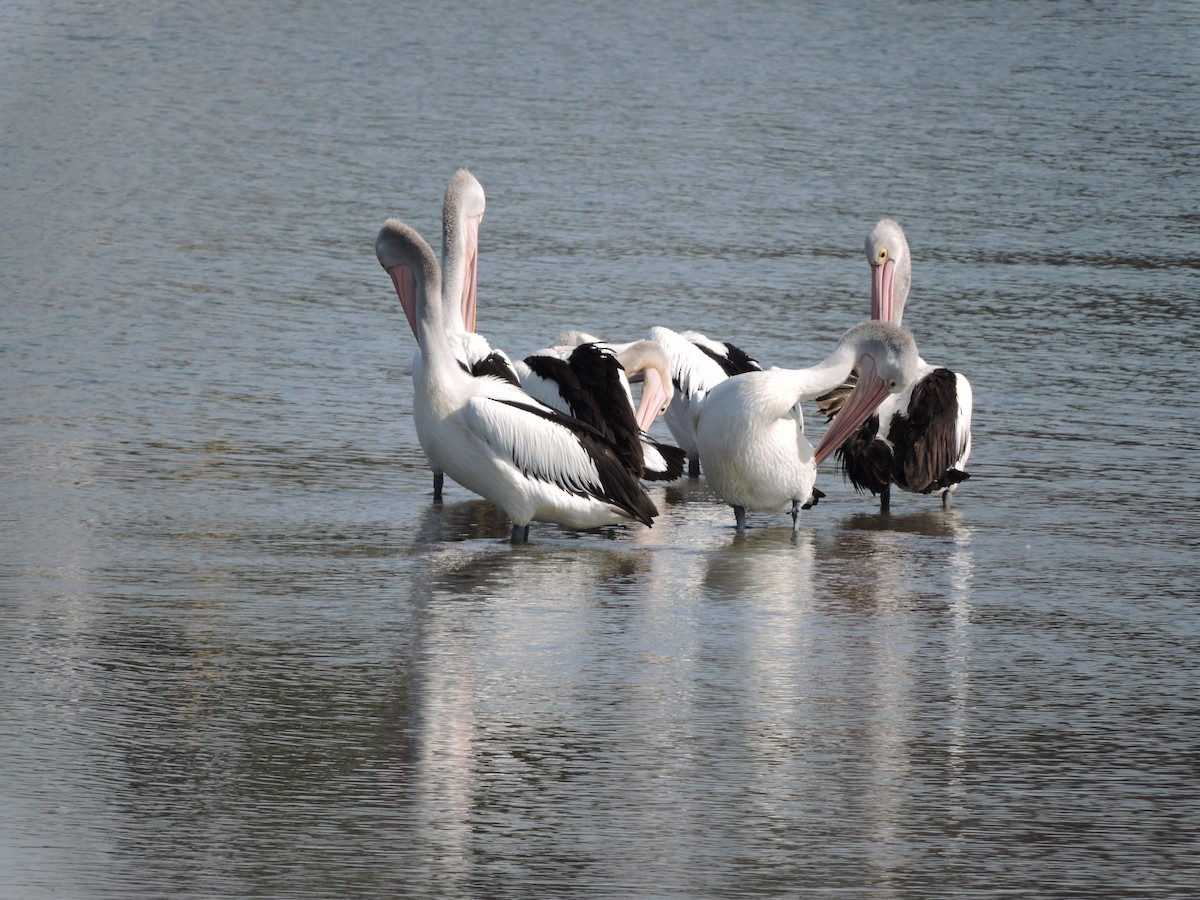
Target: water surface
[243,654]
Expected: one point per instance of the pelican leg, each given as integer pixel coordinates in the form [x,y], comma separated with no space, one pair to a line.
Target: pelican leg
[885,499]
[520,534]
[438,478]
[796,507]
[739,513]
[946,499]
[693,467]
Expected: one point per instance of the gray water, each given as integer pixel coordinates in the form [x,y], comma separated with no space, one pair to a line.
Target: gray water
[243,654]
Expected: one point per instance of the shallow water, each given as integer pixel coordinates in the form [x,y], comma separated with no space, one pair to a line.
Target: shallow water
[243,654]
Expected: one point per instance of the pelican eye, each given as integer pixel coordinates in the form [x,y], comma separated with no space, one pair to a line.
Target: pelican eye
[893,384]
[883,254]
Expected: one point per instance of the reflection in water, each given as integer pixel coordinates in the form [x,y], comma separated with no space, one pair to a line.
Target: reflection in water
[959,655]
[908,582]
[479,519]
[692,516]
[887,560]
[936,522]
[464,520]
[763,565]
[758,661]
[511,649]
[690,490]
[242,655]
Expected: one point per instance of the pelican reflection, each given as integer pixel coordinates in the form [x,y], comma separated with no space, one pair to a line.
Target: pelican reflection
[464,520]
[514,647]
[771,564]
[906,581]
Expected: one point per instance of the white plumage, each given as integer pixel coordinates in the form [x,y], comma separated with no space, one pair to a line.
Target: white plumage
[697,365]
[918,440]
[750,428]
[492,437]
[460,258]
[589,379]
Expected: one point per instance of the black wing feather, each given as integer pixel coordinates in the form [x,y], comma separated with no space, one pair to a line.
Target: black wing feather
[735,361]
[497,365]
[618,485]
[926,440]
[590,384]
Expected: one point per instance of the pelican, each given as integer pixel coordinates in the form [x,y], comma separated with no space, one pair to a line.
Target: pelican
[460,261]
[589,379]
[750,428]
[919,439]
[698,364]
[491,436]
[462,212]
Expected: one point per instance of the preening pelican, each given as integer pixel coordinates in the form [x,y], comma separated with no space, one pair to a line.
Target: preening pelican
[590,379]
[462,212]
[697,365]
[918,440]
[750,428]
[492,437]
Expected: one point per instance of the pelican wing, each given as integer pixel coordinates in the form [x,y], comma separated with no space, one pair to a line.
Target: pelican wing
[698,363]
[477,357]
[497,365]
[583,380]
[664,462]
[831,403]
[691,370]
[732,359]
[928,439]
[866,460]
[548,446]
[963,429]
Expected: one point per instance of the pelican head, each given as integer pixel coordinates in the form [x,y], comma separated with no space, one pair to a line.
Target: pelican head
[462,211]
[891,270]
[410,263]
[647,362]
[886,358]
